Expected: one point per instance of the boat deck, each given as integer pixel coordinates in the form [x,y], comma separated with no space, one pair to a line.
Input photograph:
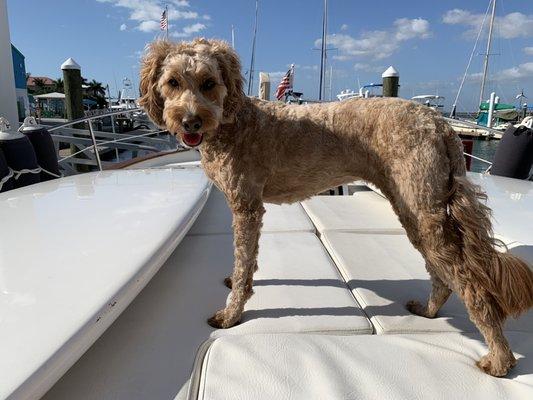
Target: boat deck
[327,319]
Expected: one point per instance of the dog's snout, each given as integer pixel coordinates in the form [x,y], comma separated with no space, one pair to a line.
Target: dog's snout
[191,123]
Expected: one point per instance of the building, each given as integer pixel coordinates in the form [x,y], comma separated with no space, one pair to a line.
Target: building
[19,70]
[48,84]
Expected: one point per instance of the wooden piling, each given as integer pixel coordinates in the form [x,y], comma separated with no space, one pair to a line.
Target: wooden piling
[391,82]
[73,99]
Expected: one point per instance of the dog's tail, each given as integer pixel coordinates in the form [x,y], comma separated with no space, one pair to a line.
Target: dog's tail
[506,277]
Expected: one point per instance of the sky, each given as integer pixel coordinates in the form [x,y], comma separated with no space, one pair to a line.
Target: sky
[429,42]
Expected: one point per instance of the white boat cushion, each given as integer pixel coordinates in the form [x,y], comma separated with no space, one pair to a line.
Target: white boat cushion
[298,289]
[216,217]
[385,271]
[303,367]
[362,212]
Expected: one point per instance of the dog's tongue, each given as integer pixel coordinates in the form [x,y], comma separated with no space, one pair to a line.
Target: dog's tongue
[192,139]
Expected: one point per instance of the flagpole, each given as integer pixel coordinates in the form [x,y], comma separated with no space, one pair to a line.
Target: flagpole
[166,11]
[252,61]
[323,50]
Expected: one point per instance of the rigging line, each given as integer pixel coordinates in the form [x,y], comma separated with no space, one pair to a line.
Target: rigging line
[469,61]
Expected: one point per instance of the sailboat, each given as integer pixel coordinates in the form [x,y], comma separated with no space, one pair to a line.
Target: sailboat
[492,113]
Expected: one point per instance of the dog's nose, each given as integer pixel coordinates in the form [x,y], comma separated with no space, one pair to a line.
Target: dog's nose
[191,123]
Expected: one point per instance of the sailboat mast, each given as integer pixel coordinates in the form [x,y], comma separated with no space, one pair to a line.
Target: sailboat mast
[487,54]
[252,61]
[323,50]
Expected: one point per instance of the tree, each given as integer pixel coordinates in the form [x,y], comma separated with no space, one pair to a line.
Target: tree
[40,86]
[59,85]
[95,89]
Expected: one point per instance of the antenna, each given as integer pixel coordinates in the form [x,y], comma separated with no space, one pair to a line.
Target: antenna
[232,36]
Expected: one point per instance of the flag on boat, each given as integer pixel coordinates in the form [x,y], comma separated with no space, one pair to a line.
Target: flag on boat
[286,83]
[164,20]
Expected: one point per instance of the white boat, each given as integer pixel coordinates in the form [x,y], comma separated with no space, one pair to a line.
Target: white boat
[431,100]
[126,99]
[107,280]
[364,91]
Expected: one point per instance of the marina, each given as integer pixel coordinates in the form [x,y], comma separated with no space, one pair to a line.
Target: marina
[116,246]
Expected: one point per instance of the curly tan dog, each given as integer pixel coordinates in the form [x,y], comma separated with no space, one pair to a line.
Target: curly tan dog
[257,151]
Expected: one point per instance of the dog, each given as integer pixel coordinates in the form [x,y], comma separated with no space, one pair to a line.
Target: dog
[258,151]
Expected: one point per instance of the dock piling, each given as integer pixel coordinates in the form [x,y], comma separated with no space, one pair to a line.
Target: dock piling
[391,82]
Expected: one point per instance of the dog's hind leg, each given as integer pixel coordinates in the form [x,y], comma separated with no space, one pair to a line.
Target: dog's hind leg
[438,296]
[247,226]
[489,319]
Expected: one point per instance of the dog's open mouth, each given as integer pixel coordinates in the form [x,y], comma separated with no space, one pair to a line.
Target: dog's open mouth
[192,139]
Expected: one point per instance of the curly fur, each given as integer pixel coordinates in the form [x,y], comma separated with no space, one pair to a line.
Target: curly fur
[257,151]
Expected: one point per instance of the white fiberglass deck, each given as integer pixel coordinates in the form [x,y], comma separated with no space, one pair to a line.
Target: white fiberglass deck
[74,252]
[302,334]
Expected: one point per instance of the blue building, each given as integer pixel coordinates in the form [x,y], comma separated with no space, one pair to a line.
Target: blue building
[19,68]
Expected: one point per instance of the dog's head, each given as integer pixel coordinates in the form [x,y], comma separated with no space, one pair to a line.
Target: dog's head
[190,88]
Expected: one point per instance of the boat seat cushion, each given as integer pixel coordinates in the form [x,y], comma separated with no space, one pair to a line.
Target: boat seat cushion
[216,217]
[302,367]
[362,212]
[298,289]
[385,271]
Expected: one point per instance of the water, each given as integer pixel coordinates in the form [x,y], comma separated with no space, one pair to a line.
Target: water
[484,149]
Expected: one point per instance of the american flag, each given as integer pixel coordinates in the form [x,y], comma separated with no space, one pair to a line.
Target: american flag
[164,20]
[285,84]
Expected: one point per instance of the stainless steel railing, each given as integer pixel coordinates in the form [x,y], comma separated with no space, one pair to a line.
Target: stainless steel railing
[117,139]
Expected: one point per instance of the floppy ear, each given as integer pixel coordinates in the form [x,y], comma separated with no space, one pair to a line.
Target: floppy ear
[230,67]
[151,100]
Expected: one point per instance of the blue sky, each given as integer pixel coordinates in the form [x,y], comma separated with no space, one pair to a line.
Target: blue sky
[428,41]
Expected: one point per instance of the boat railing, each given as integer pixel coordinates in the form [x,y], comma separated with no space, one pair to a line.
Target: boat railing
[471,124]
[87,143]
[474,125]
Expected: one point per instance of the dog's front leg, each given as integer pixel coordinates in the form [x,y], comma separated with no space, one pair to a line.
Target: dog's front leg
[246,230]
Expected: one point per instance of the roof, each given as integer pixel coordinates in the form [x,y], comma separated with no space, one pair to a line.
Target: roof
[54,95]
[13,48]
[47,81]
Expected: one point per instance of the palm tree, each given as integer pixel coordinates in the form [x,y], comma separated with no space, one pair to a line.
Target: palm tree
[40,86]
[95,89]
[59,85]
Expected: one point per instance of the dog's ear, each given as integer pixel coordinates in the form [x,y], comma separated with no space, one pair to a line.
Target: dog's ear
[230,67]
[150,99]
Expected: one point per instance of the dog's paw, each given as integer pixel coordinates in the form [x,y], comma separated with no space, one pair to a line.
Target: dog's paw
[221,321]
[496,366]
[228,282]
[415,307]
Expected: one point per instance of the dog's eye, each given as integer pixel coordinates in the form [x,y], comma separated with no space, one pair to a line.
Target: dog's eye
[174,83]
[208,84]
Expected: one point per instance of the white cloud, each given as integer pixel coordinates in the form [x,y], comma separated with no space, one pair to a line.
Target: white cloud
[509,26]
[369,68]
[276,74]
[378,44]
[123,27]
[344,27]
[148,26]
[411,28]
[189,30]
[520,72]
[528,51]
[147,13]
